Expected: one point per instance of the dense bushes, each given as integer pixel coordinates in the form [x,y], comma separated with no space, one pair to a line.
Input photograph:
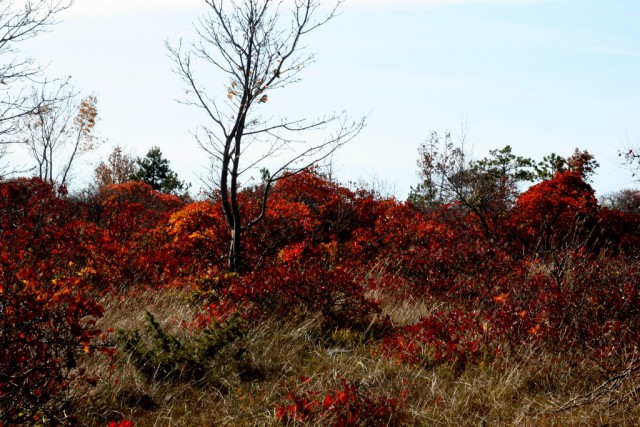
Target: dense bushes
[46,307]
[556,270]
[351,404]
[293,289]
[556,212]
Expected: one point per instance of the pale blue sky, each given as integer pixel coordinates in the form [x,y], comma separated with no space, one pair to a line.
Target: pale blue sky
[542,76]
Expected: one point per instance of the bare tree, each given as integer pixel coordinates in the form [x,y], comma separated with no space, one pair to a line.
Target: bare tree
[486,188]
[631,156]
[58,133]
[118,169]
[257,53]
[20,22]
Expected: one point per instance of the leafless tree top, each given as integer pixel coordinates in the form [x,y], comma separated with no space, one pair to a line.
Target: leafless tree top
[20,21]
[256,44]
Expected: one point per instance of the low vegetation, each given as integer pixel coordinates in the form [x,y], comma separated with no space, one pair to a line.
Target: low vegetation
[117,307]
[501,293]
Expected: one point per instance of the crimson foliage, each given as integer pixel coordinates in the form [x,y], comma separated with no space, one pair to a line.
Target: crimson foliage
[557,270]
[47,312]
[349,405]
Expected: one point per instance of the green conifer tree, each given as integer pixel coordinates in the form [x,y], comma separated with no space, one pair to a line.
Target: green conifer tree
[155,171]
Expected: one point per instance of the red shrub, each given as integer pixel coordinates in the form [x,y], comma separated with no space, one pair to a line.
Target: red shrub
[620,231]
[335,210]
[134,217]
[443,253]
[348,406]
[128,210]
[199,232]
[292,289]
[585,304]
[46,321]
[556,211]
[453,337]
[47,309]
[601,303]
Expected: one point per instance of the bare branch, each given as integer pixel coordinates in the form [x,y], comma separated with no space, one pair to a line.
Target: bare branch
[18,24]
[60,130]
[250,43]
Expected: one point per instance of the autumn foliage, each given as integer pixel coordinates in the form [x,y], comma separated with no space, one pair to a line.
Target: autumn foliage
[47,310]
[350,404]
[559,271]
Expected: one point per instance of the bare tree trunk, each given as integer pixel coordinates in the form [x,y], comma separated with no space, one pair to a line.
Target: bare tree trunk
[235,250]
[259,54]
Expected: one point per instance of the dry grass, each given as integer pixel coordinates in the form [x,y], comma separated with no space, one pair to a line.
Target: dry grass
[524,388]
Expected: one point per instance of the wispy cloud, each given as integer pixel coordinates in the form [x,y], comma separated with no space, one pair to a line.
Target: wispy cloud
[111,7]
[620,52]
[116,7]
[417,4]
